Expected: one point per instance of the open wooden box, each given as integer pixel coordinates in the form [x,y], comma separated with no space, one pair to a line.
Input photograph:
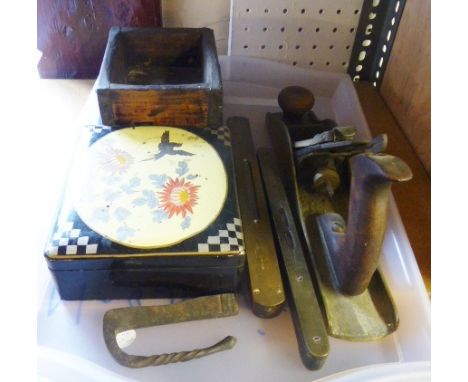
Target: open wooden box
[160,76]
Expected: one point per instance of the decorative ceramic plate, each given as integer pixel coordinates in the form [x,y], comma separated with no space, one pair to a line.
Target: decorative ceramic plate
[150,186]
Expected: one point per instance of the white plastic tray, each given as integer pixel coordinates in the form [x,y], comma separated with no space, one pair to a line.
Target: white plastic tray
[70,333]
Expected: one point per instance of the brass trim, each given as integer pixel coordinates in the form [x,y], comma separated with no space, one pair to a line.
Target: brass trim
[142,255]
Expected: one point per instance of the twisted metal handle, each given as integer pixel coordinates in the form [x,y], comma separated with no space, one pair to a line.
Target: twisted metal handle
[182,356]
[119,320]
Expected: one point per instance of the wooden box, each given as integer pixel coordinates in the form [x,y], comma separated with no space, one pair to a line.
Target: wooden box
[160,76]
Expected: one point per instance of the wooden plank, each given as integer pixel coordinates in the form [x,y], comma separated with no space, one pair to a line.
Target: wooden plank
[167,108]
[72,35]
[414,197]
[406,86]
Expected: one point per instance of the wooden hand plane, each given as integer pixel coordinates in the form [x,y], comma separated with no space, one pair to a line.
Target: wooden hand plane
[338,188]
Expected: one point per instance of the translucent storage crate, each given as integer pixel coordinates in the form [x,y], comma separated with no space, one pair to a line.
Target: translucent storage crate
[70,332]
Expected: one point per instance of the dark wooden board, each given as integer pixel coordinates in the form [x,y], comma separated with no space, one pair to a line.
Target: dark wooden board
[72,34]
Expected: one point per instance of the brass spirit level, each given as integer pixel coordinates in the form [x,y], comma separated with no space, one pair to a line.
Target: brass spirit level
[265,279]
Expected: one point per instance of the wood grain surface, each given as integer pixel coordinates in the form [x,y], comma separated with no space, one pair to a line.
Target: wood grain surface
[166,108]
[168,77]
[406,86]
[72,34]
[413,198]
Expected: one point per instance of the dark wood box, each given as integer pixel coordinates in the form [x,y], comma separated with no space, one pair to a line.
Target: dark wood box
[160,76]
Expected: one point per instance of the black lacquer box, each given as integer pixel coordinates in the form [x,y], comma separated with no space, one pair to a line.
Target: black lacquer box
[148,212]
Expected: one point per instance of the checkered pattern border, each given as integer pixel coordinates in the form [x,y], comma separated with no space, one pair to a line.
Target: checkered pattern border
[98,129]
[221,133]
[68,241]
[227,240]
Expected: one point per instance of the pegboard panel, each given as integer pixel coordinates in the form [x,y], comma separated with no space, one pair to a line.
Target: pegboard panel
[315,34]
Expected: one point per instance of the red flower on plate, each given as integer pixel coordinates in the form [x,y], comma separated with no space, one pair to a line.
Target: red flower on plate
[178,197]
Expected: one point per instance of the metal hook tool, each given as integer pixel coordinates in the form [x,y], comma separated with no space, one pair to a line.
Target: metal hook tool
[119,320]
